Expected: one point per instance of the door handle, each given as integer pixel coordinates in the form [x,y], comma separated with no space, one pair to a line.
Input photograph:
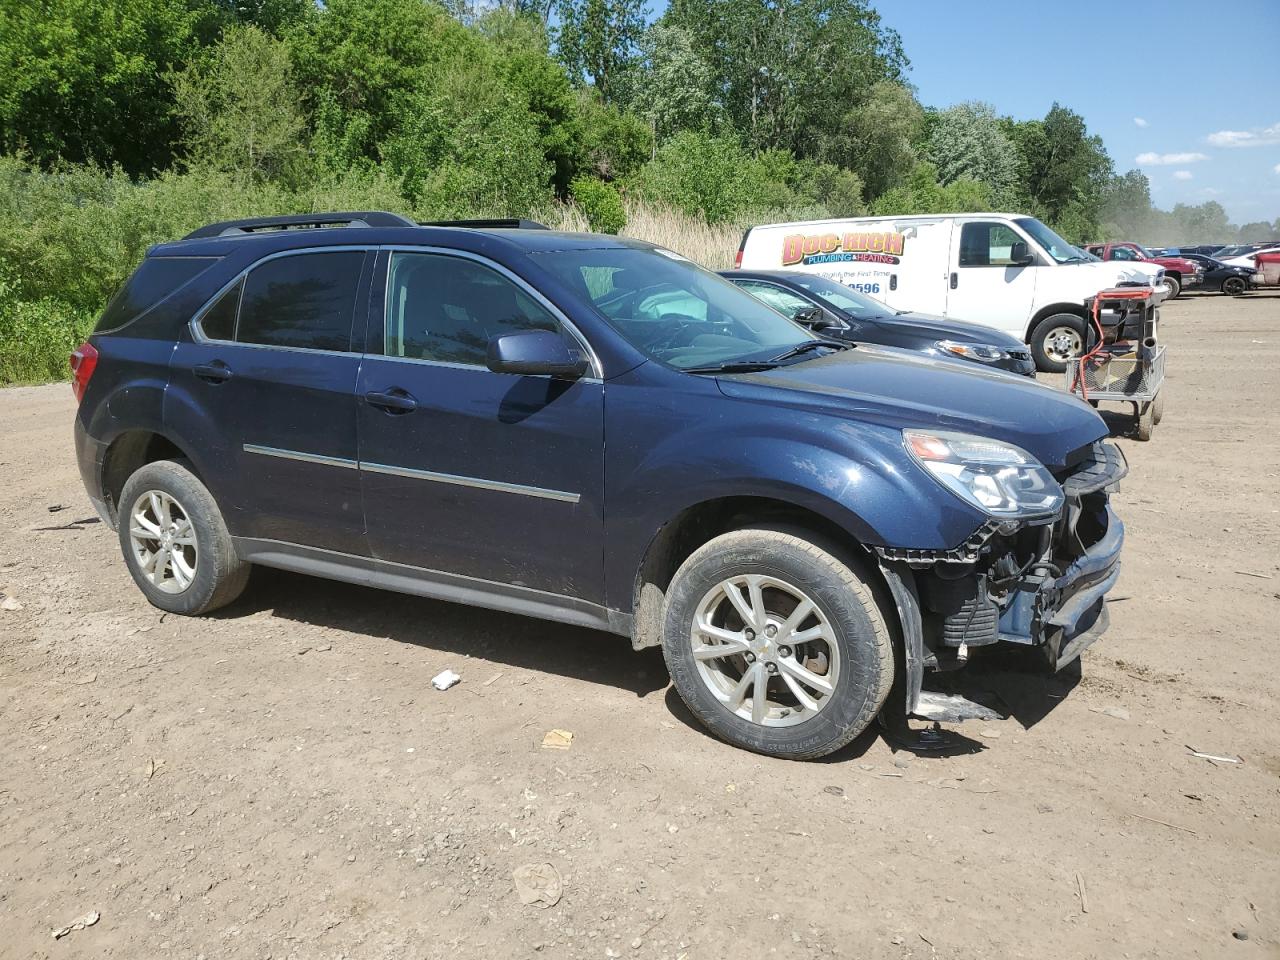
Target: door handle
[215,372]
[394,400]
[955,279]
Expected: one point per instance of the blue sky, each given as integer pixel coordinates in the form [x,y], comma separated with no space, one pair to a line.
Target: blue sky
[1156,80]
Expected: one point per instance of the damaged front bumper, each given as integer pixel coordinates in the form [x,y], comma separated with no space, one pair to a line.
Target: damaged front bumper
[1042,585]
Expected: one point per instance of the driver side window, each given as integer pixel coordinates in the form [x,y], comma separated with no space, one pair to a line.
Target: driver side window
[446,309]
[987,245]
[784,301]
[1123,253]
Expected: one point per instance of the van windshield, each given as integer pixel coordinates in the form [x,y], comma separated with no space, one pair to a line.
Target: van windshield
[673,310]
[1054,245]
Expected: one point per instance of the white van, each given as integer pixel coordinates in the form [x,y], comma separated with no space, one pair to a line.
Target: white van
[1003,270]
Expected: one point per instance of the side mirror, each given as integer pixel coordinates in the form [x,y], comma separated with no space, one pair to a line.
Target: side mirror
[535,353]
[1020,254]
[814,318]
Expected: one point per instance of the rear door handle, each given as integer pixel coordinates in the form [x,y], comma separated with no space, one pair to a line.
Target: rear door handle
[215,372]
[394,400]
[955,279]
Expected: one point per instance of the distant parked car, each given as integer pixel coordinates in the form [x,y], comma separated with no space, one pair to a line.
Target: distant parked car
[834,310]
[1179,274]
[1246,258]
[1225,277]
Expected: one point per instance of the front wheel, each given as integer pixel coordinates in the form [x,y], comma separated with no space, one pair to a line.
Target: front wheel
[1234,286]
[175,542]
[776,644]
[1172,286]
[1056,341]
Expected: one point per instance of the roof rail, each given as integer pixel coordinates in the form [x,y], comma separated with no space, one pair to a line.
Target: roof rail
[238,228]
[487,224]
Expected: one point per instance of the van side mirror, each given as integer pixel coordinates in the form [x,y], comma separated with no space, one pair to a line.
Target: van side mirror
[535,353]
[1020,254]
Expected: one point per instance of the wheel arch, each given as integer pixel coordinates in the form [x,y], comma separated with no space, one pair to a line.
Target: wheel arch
[131,450]
[1049,311]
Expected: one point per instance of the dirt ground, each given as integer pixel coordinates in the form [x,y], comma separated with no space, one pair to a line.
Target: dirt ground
[281,780]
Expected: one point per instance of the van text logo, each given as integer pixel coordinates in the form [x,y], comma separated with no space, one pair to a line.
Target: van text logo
[885,247]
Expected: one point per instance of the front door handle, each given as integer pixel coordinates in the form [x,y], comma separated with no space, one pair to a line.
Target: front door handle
[955,279]
[394,400]
[215,372]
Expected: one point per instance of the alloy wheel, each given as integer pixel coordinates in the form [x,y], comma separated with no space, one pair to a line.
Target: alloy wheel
[163,540]
[765,650]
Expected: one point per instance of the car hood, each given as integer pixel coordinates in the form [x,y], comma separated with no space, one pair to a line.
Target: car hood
[926,324]
[898,390]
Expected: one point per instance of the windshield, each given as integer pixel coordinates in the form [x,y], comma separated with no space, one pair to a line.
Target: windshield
[673,310]
[852,302]
[1054,245]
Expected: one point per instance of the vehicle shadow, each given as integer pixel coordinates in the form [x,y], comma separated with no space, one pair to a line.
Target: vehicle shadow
[575,652]
[1012,681]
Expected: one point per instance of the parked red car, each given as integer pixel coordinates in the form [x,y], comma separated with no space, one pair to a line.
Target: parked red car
[1179,273]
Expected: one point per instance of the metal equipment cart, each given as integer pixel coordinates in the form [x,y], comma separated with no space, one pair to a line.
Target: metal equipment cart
[1123,360]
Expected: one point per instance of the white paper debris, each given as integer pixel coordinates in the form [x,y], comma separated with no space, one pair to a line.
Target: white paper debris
[443,681]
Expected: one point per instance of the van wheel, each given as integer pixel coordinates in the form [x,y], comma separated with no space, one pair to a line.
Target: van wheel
[175,542]
[776,644]
[1056,341]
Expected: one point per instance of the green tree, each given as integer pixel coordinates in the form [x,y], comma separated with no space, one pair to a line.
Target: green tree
[83,80]
[788,73]
[1062,166]
[599,39]
[671,87]
[600,203]
[921,192]
[240,109]
[967,141]
[877,137]
[1126,209]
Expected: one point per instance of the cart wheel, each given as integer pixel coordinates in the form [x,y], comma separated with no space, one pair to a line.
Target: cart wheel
[1157,408]
[1146,419]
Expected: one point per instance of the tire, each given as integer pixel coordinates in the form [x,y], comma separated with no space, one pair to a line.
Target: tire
[1234,286]
[1174,286]
[1146,419]
[849,641]
[1157,408]
[1055,339]
[205,573]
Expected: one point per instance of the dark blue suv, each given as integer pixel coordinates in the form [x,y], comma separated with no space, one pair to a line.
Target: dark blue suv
[596,431]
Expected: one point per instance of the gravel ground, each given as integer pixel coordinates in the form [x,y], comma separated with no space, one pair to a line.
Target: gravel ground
[280,779]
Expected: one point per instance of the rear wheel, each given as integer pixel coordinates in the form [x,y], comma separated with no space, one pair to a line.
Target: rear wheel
[776,644]
[1056,341]
[1172,286]
[1234,286]
[1146,419]
[175,542]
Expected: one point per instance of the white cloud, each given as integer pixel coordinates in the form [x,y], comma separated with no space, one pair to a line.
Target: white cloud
[1139,122]
[1166,159]
[1182,174]
[1256,137]
[1276,168]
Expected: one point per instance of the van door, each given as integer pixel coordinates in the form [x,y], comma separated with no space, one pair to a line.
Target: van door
[984,285]
[918,281]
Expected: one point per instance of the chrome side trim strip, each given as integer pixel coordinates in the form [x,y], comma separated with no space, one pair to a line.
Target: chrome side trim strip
[479,484]
[304,457]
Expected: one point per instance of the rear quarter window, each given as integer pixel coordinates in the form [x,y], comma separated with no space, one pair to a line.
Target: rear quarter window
[157,279]
[304,300]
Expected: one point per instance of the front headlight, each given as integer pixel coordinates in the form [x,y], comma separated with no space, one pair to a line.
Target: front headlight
[983,352]
[998,478]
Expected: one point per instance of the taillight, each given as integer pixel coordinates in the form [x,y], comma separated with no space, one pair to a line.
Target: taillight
[737,260]
[84,360]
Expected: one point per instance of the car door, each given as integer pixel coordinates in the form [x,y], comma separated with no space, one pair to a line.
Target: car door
[264,390]
[471,473]
[985,285]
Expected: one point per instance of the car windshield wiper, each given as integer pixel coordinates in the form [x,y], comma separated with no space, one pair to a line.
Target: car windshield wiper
[806,347]
[733,366]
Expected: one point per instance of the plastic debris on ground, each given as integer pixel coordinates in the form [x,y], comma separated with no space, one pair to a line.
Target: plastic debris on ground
[538,884]
[445,680]
[557,740]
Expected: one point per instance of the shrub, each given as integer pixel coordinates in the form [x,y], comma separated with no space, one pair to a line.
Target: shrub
[601,204]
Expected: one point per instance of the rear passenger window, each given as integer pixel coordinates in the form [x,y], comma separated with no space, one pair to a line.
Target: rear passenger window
[153,281]
[306,300]
[219,321]
[446,309]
